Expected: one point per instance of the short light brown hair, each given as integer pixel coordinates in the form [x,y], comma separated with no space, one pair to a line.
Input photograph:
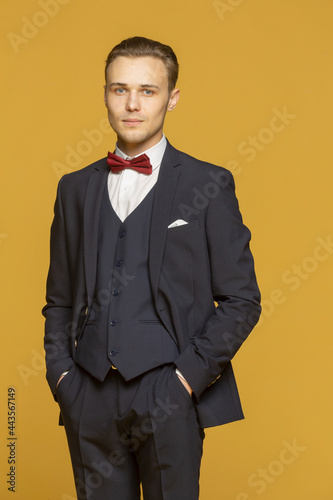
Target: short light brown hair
[139,46]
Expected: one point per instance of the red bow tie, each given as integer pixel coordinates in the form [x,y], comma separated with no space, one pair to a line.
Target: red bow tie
[139,163]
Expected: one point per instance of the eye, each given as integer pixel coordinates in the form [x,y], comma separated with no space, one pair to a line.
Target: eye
[120,90]
[148,92]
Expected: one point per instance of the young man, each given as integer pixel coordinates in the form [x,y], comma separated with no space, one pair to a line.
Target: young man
[143,243]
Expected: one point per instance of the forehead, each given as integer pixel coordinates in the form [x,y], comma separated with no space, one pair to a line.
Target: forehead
[137,70]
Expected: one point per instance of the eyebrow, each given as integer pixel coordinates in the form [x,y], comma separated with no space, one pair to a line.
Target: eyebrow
[143,86]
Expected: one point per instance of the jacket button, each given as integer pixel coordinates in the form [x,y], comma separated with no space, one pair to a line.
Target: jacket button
[122,234]
[113,352]
[115,293]
[113,322]
[119,263]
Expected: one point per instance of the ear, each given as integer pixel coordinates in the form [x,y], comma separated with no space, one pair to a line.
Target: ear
[173,99]
[104,86]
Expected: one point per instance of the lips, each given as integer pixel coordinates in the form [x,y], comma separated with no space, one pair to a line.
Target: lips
[132,120]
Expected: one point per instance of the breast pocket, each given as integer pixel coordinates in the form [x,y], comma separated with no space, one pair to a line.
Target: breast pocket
[183,229]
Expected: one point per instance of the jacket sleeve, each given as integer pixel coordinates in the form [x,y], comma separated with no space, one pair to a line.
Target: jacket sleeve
[58,308]
[234,288]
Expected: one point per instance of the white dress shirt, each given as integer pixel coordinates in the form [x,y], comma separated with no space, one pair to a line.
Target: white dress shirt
[128,188]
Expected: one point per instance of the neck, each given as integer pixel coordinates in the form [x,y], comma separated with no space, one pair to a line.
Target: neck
[133,149]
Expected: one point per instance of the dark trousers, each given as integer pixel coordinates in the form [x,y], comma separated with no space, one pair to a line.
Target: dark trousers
[121,434]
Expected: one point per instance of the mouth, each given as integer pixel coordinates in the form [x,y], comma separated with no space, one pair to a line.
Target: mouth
[132,121]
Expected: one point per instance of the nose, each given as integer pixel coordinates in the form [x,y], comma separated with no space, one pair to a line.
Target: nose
[133,103]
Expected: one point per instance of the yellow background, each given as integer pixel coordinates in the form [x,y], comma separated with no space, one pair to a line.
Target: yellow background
[241,63]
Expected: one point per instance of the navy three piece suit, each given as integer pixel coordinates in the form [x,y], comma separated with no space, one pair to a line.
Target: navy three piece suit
[127,303]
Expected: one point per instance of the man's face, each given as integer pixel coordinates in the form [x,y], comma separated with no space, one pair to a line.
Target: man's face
[137,99]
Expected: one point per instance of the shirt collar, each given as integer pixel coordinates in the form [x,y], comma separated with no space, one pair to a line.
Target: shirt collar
[155,153]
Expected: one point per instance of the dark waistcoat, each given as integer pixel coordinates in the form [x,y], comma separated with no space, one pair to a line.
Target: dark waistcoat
[123,328]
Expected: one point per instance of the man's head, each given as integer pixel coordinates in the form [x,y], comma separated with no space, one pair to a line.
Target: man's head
[140,75]
[139,46]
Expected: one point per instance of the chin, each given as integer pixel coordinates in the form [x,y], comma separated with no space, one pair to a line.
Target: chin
[134,138]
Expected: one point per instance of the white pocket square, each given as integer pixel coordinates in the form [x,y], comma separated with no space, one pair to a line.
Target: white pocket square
[178,222]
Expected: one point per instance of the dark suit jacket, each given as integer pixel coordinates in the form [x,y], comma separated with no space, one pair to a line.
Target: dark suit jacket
[190,267]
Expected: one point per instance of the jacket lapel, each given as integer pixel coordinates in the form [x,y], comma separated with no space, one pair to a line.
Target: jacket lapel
[163,200]
[92,206]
